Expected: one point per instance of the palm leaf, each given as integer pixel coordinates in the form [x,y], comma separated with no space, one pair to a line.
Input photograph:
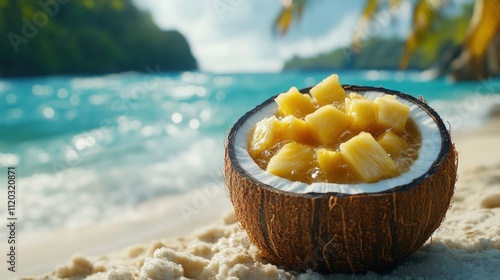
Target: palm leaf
[484,25]
[424,14]
[371,7]
[299,7]
[394,4]
[290,10]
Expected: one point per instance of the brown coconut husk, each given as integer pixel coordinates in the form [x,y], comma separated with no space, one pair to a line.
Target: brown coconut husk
[337,232]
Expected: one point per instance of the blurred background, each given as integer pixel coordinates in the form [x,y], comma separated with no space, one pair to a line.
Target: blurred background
[105,105]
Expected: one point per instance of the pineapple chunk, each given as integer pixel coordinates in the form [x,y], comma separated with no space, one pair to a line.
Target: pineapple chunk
[328,91]
[392,143]
[329,161]
[294,103]
[392,113]
[367,158]
[292,161]
[266,134]
[297,130]
[328,123]
[355,95]
[363,112]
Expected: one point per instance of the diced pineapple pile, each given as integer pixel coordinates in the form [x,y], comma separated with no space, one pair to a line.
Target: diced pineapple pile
[331,136]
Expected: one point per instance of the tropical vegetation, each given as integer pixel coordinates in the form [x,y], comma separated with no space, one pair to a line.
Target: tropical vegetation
[476,56]
[385,52]
[43,37]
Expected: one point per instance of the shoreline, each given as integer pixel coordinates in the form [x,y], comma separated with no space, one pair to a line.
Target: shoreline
[480,138]
[168,216]
[469,227]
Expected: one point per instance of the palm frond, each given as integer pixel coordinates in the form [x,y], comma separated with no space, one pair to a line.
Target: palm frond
[424,14]
[369,11]
[394,4]
[484,25]
[290,10]
[299,7]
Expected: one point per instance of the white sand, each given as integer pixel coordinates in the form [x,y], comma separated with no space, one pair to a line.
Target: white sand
[165,217]
[467,246]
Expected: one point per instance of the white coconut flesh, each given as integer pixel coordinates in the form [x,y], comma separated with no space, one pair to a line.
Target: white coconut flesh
[428,155]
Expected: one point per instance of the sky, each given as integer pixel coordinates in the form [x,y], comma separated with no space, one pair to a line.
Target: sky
[237,35]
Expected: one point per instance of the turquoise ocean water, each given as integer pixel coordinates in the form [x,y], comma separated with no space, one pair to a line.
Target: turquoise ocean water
[86,148]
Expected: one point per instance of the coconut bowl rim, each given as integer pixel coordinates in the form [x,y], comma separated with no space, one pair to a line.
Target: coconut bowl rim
[444,150]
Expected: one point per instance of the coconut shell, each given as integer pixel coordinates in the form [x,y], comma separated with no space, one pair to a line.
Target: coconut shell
[335,232]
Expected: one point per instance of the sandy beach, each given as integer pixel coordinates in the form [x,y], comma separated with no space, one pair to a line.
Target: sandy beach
[195,236]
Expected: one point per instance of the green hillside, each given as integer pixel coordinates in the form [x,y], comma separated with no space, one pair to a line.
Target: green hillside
[43,37]
[385,53]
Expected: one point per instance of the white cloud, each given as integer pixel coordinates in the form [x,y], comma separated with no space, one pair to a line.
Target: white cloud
[339,35]
[236,35]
